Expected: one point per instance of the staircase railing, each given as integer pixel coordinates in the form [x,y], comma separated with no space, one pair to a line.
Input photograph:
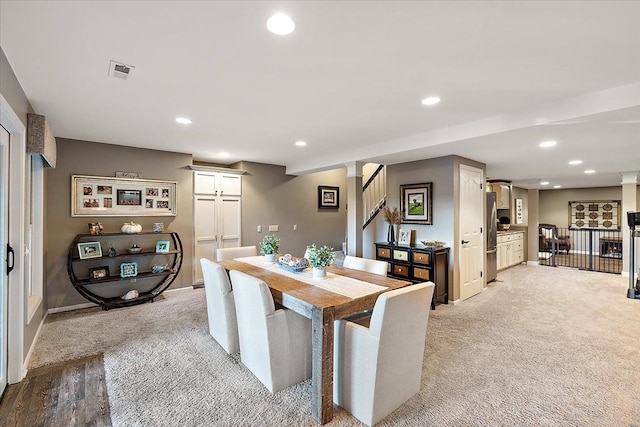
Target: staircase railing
[374,194]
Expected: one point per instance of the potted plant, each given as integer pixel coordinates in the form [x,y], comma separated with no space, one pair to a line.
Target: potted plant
[269,247]
[319,258]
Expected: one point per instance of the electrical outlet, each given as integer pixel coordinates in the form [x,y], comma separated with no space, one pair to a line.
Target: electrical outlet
[273,228]
[259,229]
[295,227]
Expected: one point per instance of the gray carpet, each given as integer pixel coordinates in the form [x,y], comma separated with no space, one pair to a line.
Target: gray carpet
[544,346]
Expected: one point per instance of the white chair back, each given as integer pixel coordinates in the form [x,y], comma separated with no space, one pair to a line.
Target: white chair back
[377,369]
[275,345]
[232,253]
[365,264]
[221,309]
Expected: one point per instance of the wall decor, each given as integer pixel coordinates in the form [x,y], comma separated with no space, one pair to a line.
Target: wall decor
[106,196]
[406,237]
[519,212]
[416,203]
[89,250]
[98,273]
[162,246]
[594,215]
[95,228]
[328,197]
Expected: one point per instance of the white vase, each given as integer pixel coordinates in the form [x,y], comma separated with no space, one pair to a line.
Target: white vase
[319,273]
[270,258]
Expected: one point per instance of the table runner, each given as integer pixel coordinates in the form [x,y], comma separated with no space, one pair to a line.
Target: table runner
[352,288]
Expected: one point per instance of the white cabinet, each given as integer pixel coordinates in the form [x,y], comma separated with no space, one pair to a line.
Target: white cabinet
[510,249]
[217,215]
[503,194]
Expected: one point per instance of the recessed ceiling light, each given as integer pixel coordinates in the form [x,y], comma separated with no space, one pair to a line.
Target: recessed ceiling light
[557,186]
[432,100]
[590,171]
[301,143]
[547,144]
[183,120]
[281,24]
[223,154]
[544,182]
[575,162]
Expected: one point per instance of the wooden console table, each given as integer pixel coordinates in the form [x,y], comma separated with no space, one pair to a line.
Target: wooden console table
[418,264]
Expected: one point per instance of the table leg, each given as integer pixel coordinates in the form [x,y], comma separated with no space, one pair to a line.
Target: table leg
[322,365]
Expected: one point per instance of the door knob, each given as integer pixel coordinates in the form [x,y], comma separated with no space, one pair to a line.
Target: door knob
[464,242]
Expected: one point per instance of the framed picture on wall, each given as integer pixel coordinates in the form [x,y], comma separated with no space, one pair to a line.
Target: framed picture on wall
[416,203]
[328,197]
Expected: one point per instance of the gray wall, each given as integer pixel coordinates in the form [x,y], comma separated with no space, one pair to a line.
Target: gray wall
[91,158]
[554,204]
[17,99]
[270,197]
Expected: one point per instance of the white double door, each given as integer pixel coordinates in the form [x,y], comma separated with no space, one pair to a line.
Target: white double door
[217,211]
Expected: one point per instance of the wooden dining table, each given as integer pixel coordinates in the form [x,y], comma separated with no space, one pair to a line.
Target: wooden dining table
[322,307]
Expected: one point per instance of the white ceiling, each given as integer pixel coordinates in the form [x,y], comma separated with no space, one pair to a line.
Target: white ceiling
[348,80]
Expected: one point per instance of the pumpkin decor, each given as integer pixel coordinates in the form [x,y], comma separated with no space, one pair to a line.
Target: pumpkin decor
[131,228]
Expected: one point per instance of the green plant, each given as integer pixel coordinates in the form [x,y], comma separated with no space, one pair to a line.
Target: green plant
[270,245]
[320,257]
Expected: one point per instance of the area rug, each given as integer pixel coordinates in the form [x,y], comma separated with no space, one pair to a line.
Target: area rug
[543,346]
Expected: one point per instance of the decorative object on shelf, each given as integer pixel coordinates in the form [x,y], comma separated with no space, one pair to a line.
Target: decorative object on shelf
[158,227]
[433,244]
[106,196]
[131,295]
[328,197]
[416,203]
[162,246]
[128,269]
[112,251]
[393,217]
[319,258]
[269,247]
[89,250]
[95,228]
[407,237]
[135,249]
[159,268]
[595,215]
[131,228]
[98,273]
[293,264]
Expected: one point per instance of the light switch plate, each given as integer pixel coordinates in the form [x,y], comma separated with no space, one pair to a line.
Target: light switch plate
[259,229]
[273,228]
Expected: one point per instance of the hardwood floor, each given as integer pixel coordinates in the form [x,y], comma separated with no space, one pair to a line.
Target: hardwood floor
[72,393]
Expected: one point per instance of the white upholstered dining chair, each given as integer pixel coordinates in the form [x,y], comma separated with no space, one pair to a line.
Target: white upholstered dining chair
[366,264]
[377,369]
[239,252]
[275,345]
[221,309]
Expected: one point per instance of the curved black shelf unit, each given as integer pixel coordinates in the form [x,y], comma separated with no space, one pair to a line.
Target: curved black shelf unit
[165,278]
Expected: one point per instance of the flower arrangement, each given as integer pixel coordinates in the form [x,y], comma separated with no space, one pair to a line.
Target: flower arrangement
[320,256]
[270,245]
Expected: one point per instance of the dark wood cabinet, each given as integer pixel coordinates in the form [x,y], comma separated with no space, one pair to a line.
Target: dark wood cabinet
[418,264]
[106,287]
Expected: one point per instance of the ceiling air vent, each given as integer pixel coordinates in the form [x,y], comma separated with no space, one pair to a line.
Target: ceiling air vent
[120,70]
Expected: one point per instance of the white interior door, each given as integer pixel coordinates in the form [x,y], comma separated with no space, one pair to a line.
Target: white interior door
[205,225]
[4,216]
[230,222]
[471,250]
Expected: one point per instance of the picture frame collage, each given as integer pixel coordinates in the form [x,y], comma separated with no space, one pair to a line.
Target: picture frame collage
[105,196]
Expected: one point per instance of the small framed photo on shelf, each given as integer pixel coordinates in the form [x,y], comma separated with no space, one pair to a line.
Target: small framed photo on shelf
[95,228]
[88,250]
[98,273]
[162,246]
[128,269]
[406,237]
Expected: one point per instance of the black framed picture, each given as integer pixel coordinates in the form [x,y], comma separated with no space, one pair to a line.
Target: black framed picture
[416,203]
[328,197]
